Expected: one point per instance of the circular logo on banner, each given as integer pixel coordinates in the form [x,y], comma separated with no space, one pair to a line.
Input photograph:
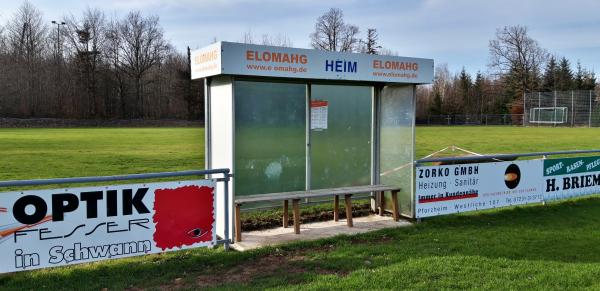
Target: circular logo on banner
[512,176]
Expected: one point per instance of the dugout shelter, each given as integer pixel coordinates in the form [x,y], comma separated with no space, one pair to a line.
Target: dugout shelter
[289,119]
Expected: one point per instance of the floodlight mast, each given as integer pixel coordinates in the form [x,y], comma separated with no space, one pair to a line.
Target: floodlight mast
[58,46]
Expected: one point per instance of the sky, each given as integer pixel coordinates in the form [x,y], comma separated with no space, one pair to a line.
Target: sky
[454,32]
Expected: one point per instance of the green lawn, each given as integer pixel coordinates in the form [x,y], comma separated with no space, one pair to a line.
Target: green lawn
[497,139]
[534,247]
[52,153]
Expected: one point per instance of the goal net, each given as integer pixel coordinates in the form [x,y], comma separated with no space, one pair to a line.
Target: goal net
[550,115]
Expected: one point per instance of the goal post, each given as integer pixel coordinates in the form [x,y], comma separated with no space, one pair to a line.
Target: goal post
[549,115]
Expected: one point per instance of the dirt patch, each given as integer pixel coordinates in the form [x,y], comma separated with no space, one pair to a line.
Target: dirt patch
[278,263]
[245,272]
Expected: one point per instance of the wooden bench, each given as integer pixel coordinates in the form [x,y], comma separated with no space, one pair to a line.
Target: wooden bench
[296,196]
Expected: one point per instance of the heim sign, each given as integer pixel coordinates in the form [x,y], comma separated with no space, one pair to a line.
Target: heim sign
[47,228]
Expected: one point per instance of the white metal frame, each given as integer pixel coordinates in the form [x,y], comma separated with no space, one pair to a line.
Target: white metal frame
[565,115]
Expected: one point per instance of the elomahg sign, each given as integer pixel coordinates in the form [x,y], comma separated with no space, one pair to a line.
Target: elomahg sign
[227,58]
[47,228]
[450,189]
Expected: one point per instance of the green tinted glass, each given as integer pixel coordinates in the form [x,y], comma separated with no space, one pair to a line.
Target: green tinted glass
[340,136]
[270,137]
[396,143]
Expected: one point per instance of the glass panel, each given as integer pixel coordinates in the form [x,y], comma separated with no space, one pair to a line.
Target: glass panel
[270,137]
[340,136]
[397,143]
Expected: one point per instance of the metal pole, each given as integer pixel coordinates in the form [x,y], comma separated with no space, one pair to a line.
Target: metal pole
[572,109]
[97,179]
[554,118]
[226,202]
[590,113]
[524,108]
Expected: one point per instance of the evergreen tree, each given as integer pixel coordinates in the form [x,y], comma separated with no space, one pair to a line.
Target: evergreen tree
[371,46]
[464,88]
[579,75]
[564,76]
[436,105]
[589,81]
[478,94]
[549,83]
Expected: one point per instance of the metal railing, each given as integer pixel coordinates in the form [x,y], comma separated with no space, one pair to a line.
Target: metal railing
[501,157]
[226,241]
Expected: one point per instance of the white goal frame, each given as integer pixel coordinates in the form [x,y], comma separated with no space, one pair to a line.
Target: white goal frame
[560,115]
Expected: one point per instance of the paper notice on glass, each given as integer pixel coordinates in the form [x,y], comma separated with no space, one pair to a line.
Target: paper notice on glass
[318,114]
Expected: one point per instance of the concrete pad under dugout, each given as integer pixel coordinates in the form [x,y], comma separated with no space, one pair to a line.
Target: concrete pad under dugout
[314,231]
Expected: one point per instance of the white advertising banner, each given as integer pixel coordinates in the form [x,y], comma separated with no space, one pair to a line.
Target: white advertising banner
[270,61]
[450,189]
[47,228]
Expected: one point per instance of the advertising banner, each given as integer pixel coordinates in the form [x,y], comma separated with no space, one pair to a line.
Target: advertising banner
[47,228]
[450,189]
[229,58]
[571,177]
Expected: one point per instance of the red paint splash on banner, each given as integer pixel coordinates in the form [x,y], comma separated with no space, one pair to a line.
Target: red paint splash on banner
[183,216]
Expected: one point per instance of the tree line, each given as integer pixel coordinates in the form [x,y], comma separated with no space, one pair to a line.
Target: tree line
[518,65]
[93,66]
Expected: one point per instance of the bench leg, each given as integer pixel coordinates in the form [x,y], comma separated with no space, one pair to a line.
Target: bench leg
[348,199]
[336,208]
[381,203]
[286,214]
[238,223]
[295,203]
[395,205]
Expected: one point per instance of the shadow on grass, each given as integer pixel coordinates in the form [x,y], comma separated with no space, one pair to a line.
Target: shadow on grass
[559,232]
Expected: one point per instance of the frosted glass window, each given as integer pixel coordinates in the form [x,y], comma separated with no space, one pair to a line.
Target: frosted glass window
[340,138]
[270,137]
[397,143]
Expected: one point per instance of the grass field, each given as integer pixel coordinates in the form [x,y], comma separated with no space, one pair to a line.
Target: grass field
[535,247]
[50,153]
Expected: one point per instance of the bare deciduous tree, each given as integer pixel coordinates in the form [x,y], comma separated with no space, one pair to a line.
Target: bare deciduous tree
[333,34]
[3,46]
[266,39]
[84,36]
[142,47]
[277,40]
[515,53]
[27,43]
[27,32]
[116,68]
